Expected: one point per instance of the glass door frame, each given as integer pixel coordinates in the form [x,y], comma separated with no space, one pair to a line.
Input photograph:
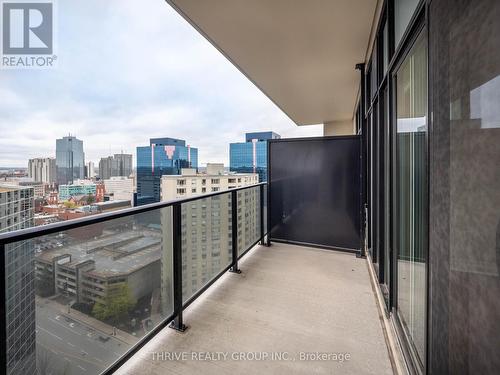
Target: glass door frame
[419,26]
[375,104]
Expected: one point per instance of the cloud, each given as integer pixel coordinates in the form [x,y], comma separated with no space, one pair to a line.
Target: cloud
[129,71]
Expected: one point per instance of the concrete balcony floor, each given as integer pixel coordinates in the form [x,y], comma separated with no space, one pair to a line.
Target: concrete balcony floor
[289,299]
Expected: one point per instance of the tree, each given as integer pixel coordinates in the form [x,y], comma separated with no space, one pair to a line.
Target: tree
[90,199]
[69,204]
[116,305]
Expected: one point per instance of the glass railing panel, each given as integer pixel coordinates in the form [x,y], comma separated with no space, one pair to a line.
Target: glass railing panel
[206,241]
[77,300]
[248,218]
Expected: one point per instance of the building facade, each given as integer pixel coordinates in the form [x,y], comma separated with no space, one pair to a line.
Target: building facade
[89,272]
[189,183]
[17,212]
[120,188]
[163,156]
[251,156]
[207,225]
[89,170]
[70,160]
[68,191]
[38,187]
[43,170]
[116,165]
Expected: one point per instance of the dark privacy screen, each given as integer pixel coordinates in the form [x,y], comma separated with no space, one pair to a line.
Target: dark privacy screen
[315,191]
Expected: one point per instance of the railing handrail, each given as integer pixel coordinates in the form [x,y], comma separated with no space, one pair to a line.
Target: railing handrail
[42,230]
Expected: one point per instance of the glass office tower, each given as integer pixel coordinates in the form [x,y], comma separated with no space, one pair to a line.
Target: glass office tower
[70,160]
[163,156]
[251,156]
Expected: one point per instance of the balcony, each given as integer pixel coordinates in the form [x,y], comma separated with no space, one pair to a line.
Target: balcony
[288,300]
[284,302]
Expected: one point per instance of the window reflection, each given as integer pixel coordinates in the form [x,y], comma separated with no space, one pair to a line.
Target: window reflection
[412,198]
[403,11]
[484,104]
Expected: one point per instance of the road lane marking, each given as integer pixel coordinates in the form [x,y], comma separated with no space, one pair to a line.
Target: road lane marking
[97,359]
[50,333]
[82,368]
[62,325]
[76,357]
[70,344]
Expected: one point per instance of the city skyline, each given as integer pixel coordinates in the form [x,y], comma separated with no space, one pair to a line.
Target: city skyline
[182,87]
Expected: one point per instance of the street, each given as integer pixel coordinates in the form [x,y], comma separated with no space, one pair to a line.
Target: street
[71,345]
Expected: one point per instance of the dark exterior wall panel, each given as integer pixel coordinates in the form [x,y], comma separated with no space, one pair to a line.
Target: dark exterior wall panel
[315,191]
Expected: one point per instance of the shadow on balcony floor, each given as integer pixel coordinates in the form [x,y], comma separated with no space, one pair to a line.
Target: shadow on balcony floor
[288,299]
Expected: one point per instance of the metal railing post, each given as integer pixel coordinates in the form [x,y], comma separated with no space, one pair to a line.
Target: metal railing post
[3,312]
[261,190]
[268,223]
[234,231]
[177,323]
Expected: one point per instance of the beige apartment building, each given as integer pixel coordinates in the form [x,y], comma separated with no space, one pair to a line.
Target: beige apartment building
[190,183]
[207,225]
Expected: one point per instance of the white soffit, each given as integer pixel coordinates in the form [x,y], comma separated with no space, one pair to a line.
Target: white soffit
[300,53]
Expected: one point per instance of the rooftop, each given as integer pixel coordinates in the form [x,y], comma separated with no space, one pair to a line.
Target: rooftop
[114,254]
[5,188]
[112,203]
[203,175]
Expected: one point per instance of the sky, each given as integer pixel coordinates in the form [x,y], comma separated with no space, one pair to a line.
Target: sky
[128,71]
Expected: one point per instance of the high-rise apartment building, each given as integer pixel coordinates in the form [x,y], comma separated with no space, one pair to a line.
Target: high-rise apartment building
[116,165]
[207,225]
[190,183]
[251,156]
[17,212]
[70,160]
[89,170]
[163,156]
[38,188]
[42,170]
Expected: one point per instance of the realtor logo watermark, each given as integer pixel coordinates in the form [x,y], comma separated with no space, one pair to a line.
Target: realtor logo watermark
[27,34]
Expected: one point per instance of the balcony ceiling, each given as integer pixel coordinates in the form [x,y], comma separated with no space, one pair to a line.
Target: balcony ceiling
[300,53]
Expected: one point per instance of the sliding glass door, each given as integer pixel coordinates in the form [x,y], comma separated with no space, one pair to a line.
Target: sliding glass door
[411,195]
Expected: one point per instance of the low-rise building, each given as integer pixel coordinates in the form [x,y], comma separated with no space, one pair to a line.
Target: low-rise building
[88,271]
[82,188]
[112,205]
[68,191]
